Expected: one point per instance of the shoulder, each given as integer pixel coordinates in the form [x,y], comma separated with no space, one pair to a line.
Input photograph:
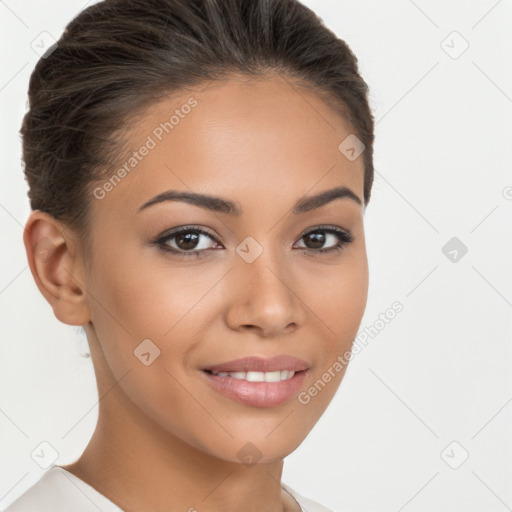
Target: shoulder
[307,504]
[59,490]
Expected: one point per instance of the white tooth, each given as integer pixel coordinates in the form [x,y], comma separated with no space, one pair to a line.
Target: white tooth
[237,375]
[255,376]
[259,376]
[273,376]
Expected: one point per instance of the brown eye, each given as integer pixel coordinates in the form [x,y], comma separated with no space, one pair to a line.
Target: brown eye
[315,239]
[186,241]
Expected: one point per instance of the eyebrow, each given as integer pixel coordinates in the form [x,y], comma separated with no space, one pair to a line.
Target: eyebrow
[220,205]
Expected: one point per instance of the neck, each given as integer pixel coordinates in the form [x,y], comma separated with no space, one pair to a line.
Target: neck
[141,467]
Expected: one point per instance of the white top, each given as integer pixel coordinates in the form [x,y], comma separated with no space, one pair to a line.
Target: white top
[59,490]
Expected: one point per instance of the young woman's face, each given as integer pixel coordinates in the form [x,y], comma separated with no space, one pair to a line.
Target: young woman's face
[165,308]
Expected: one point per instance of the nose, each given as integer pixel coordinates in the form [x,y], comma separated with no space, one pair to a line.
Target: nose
[262,297]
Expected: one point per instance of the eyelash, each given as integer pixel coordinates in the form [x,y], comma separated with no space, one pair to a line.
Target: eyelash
[344,238]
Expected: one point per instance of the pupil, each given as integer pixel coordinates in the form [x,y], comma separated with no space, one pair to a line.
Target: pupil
[318,238]
[188,236]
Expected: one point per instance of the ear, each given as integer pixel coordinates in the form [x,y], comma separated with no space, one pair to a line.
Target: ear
[57,267]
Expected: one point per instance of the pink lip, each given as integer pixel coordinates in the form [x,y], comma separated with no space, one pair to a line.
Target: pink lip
[261,364]
[257,394]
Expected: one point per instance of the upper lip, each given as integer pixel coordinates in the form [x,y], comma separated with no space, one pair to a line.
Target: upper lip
[261,364]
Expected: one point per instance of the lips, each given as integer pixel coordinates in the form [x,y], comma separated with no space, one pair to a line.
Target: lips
[253,380]
[256,394]
[260,364]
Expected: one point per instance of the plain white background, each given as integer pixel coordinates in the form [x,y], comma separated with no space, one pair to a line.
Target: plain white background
[423,417]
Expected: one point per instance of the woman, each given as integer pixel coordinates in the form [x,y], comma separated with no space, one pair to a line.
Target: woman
[198,173]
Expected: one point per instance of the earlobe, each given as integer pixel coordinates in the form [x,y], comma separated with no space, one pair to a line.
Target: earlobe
[56,267]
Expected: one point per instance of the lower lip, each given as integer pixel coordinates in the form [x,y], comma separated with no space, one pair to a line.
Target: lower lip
[258,394]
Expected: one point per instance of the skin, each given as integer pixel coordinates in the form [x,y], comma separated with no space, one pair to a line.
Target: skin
[165,439]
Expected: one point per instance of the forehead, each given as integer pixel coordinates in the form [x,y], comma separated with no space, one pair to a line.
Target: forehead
[271,137]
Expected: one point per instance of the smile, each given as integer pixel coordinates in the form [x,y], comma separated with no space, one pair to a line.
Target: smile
[257,389]
[259,376]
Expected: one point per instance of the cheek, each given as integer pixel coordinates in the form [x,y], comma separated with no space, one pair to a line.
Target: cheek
[162,305]
[168,304]
[336,297]
[150,297]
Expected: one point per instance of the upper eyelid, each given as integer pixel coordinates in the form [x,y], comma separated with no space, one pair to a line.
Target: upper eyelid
[174,231]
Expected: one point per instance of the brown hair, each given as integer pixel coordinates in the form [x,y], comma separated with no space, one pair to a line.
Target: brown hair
[117,56]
